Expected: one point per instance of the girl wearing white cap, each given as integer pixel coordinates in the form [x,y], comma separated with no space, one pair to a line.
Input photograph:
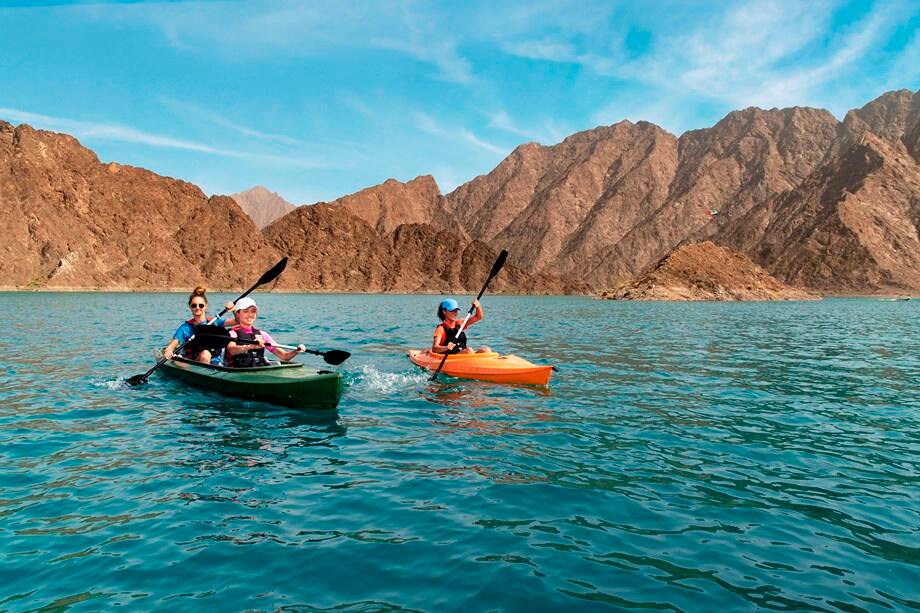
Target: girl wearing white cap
[248,348]
[445,335]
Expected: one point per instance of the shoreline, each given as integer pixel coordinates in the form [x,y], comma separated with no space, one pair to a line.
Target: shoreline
[219,290]
[9,289]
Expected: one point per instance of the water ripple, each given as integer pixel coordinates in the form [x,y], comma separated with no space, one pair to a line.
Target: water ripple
[686,457]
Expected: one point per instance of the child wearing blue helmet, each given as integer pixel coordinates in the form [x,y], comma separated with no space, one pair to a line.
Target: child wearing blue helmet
[446,339]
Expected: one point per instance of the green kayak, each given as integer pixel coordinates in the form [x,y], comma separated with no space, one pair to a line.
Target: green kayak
[290,384]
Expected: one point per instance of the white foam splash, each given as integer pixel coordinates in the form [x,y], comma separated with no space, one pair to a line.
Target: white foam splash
[388,382]
[113,384]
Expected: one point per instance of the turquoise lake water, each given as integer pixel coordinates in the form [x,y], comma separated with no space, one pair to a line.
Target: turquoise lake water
[687,457]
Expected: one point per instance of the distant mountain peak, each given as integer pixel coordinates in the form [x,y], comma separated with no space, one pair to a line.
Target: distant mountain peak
[262,205]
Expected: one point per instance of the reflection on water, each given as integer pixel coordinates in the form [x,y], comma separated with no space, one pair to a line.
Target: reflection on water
[685,457]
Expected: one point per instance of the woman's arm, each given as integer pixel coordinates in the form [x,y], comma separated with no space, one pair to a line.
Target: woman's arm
[286,356]
[230,317]
[477,316]
[168,351]
[182,335]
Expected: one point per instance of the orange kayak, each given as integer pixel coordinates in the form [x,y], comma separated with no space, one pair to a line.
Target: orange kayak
[485,367]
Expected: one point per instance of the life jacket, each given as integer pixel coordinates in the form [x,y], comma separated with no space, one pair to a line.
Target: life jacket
[450,336]
[250,357]
[191,350]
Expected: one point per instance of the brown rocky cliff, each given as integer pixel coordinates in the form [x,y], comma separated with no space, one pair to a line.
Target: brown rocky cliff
[607,204]
[333,250]
[551,207]
[819,203]
[747,157]
[329,249]
[852,226]
[68,220]
[704,271]
[894,117]
[262,206]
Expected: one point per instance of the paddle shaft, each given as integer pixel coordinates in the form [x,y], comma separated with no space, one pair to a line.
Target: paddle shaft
[496,267]
[333,356]
[177,350]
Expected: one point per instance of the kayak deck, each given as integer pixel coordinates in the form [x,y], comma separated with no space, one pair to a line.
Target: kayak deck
[485,367]
[289,384]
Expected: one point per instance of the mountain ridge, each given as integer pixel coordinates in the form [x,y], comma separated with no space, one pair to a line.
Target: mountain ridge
[819,203]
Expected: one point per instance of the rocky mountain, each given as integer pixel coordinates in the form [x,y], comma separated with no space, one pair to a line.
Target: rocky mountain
[332,249]
[819,203]
[393,203]
[262,206]
[557,207]
[850,226]
[705,271]
[68,220]
[607,204]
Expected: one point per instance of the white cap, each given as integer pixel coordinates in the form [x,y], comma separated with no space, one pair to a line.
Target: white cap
[245,303]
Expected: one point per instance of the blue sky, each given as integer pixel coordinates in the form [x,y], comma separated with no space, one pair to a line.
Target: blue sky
[319,99]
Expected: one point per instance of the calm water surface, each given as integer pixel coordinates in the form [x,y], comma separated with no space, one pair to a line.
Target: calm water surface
[686,457]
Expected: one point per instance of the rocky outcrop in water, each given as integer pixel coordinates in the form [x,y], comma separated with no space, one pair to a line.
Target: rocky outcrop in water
[704,271]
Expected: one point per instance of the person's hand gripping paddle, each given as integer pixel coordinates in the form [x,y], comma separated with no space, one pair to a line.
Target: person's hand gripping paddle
[496,267]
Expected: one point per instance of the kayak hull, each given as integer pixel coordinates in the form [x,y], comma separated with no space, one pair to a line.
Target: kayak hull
[485,367]
[291,385]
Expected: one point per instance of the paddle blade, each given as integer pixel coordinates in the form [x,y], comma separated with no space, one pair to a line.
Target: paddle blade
[335,356]
[212,338]
[499,262]
[272,274]
[137,379]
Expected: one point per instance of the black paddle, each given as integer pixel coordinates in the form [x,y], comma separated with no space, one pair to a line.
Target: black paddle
[221,338]
[269,276]
[333,356]
[496,267]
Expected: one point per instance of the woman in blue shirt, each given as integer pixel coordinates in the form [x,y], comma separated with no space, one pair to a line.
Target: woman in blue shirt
[198,304]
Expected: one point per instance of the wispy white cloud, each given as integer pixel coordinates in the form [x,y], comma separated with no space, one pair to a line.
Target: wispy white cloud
[775,53]
[770,53]
[544,49]
[548,134]
[189,109]
[301,29]
[358,104]
[427,124]
[126,134]
[105,131]
[440,53]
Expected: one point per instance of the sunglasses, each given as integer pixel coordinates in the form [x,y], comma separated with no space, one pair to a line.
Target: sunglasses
[198,306]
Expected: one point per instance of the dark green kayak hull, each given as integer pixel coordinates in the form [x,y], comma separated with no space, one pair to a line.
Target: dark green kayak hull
[291,385]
